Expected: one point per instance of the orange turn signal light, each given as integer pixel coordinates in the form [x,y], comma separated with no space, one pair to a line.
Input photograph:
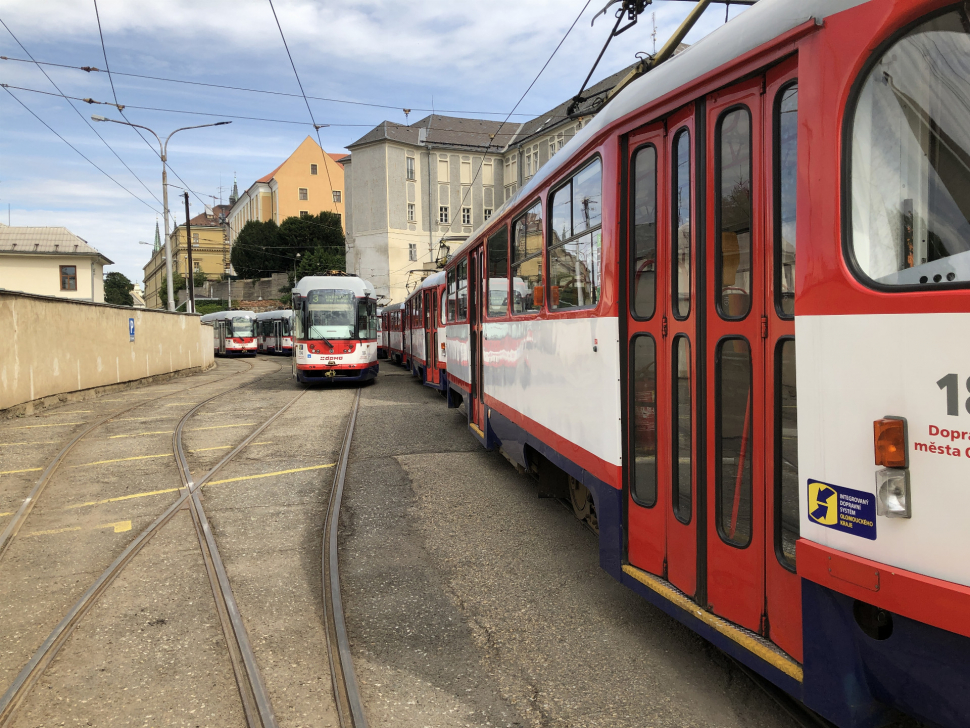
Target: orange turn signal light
[889,437]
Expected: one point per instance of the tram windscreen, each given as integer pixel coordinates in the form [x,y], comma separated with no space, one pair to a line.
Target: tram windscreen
[242,327]
[330,314]
[911,159]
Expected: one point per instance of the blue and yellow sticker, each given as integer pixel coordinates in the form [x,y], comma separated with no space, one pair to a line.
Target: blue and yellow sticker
[841,508]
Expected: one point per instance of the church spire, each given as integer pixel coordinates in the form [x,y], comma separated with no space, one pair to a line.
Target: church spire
[235,191]
[158,239]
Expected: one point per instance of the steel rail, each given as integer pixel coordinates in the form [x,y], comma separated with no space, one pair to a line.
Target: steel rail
[257,705]
[350,709]
[44,655]
[20,517]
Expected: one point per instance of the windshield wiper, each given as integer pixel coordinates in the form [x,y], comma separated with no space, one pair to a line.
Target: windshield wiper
[325,339]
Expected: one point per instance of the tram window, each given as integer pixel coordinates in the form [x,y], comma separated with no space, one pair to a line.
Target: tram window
[498,273]
[682,475]
[444,304]
[733,213]
[644,368]
[786,454]
[786,176]
[575,240]
[680,272]
[734,441]
[644,206]
[527,291]
[462,310]
[451,295]
[362,326]
[910,180]
[68,278]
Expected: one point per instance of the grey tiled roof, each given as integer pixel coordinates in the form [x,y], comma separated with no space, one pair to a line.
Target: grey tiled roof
[45,240]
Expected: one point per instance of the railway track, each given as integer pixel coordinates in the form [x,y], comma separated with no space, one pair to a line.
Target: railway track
[256,705]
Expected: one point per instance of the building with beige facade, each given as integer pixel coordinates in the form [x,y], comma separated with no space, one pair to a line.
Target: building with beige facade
[307,183]
[51,261]
[210,253]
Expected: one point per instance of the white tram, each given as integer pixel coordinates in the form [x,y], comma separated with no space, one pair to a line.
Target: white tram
[334,330]
[233,332]
[274,332]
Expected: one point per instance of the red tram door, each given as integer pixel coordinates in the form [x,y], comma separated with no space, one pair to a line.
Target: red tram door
[661,324]
[431,336]
[476,287]
[750,351]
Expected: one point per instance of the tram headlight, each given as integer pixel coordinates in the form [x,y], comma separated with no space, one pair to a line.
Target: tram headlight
[892,493]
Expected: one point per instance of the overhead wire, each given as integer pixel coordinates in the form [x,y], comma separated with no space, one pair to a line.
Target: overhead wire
[91,69]
[77,111]
[104,52]
[31,111]
[316,128]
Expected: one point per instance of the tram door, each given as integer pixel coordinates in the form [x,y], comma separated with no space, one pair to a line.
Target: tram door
[750,356]
[220,330]
[661,323]
[277,335]
[475,287]
[431,336]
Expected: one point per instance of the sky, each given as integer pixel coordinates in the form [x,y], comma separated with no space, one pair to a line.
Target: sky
[471,59]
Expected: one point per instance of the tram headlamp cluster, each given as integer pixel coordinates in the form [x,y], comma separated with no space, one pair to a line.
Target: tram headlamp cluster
[892,482]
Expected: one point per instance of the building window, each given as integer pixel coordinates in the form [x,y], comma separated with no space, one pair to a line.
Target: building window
[303,194]
[442,169]
[313,169]
[488,173]
[488,213]
[409,161]
[466,173]
[531,160]
[304,213]
[466,216]
[412,251]
[336,195]
[197,266]
[68,278]
[556,142]
[511,170]
[410,212]
[443,214]
[195,238]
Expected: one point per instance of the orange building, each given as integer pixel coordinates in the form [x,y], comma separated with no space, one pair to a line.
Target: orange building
[307,183]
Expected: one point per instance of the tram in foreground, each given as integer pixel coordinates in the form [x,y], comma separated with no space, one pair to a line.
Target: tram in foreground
[799,176]
[334,330]
[233,332]
[274,333]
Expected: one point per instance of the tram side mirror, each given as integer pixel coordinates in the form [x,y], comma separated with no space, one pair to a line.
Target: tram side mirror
[295,299]
[537,296]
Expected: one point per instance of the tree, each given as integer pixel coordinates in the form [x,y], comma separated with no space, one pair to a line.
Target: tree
[117,289]
[199,279]
[305,234]
[178,284]
[255,252]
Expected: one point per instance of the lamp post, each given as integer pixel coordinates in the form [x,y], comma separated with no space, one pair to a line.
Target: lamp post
[163,149]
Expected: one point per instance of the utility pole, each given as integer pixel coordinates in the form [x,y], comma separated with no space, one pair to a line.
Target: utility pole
[188,242]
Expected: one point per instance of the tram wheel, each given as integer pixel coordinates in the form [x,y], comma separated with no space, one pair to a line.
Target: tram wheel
[582,502]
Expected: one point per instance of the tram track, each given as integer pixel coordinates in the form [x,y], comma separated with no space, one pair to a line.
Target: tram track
[350,710]
[256,706]
[20,516]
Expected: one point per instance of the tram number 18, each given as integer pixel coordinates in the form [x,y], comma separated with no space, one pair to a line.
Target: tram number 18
[951,384]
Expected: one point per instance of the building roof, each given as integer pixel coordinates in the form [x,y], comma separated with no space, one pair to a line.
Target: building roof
[46,241]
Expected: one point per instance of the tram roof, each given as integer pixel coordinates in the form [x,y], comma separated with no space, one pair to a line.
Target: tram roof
[280,313]
[222,315]
[358,286]
[759,24]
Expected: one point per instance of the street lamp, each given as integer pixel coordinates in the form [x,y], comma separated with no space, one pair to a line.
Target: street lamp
[163,147]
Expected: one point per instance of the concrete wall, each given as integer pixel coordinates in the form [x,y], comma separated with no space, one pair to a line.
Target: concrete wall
[53,346]
[41,274]
[266,288]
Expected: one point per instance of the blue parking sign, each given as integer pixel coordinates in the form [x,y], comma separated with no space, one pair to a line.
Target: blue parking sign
[131,329]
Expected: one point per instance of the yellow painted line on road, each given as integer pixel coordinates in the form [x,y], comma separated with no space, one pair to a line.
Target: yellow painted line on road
[39,442]
[121,498]
[31,427]
[147,457]
[118,526]
[269,475]
[6,514]
[194,429]
[25,470]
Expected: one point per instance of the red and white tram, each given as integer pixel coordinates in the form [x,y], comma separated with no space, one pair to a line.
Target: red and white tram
[627,326]
[424,337]
[233,332]
[274,333]
[381,337]
[334,330]
[393,323]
